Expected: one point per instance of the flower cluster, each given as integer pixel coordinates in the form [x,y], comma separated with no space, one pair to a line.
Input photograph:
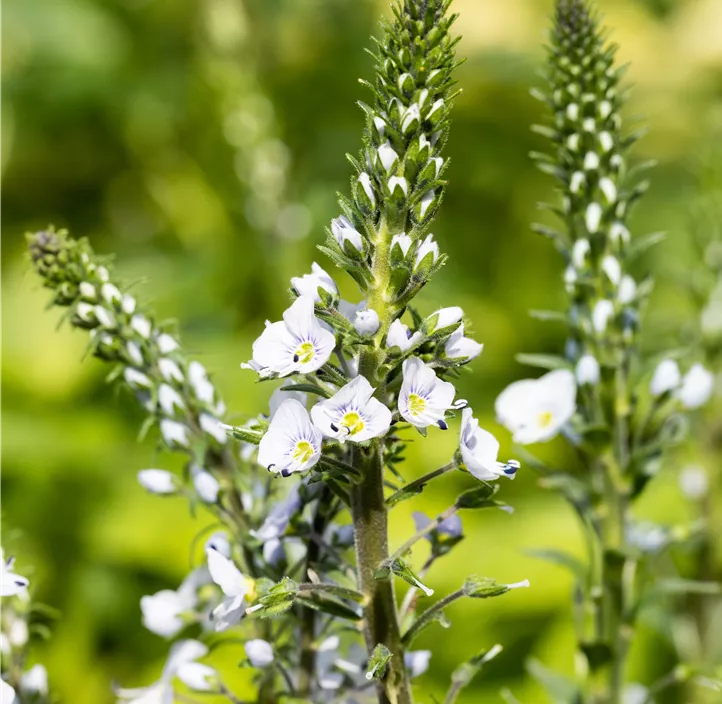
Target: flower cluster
[355,381]
[619,409]
[18,682]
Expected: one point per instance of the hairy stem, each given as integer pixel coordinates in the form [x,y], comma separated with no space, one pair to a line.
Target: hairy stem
[380,620]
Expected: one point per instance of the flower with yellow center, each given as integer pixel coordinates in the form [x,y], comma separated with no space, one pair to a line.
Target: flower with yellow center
[535,410]
[424,398]
[296,344]
[352,413]
[291,443]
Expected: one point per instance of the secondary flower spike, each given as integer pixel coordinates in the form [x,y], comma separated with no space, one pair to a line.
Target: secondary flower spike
[352,414]
[298,343]
[291,443]
[535,410]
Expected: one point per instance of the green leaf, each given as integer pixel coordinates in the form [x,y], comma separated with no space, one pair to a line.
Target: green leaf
[378,662]
[329,606]
[598,654]
[403,494]
[543,361]
[307,388]
[686,586]
[560,689]
[641,244]
[477,497]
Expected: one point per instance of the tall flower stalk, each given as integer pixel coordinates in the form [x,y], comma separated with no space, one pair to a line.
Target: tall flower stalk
[378,371]
[599,393]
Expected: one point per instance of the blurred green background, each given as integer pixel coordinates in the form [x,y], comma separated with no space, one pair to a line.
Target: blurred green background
[203,141]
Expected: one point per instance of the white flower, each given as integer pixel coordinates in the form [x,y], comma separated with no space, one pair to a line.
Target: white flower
[169,370]
[404,242]
[535,410]
[387,156]
[182,654]
[444,318]
[438,104]
[135,354]
[365,180]
[136,379]
[580,250]
[166,343]
[666,378]
[352,413]
[105,317]
[480,449]
[627,290]
[366,322]
[278,518]
[308,284]
[198,378]
[693,482]
[428,246]
[577,180]
[607,187]
[141,325]
[424,398]
[163,611]
[399,335]
[10,583]
[206,486]
[605,141]
[169,399]
[128,304]
[344,231]
[85,312]
[635,693]
[460,347]
[438,162]
[291,443]
[87,291]
[298,343]
[279,396]
[399,181]
[380,125]
[110,293]
[601,313]
[174,433]
[198,677]
[593,217]
[213,427]
[259,652]
[426,200]
[7,693]
[157,481]
[573,112]
[412,113]
[417,662]
[349,310]
[591,161]
[697,387]
[619,234]
[34,681]
[612,268]
[587,370]
[233,585]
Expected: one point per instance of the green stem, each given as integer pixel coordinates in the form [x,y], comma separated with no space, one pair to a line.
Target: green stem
[432,526]
[380,620]
[420,483]
[429,614]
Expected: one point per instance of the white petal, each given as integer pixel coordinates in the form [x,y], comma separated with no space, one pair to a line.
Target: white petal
[35,680]
[207,486]
[196,676]
[259,652]
[225,573]
[182,652]
[157,481]
[161,613]
[697,387]
[417,662]
[666,377]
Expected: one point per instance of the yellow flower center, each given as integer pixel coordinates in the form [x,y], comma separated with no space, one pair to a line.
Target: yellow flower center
[353,422]
[303,451]
[305,353]
[545,419]
[416,404]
